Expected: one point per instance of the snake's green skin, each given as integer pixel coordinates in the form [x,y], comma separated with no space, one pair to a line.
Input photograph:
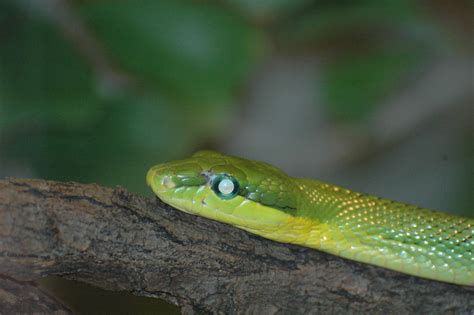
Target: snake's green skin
[267,202]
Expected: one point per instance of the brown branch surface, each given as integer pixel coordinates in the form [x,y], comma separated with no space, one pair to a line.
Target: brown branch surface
[119,241]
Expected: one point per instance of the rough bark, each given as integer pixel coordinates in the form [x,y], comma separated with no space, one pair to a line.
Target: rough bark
[120,241]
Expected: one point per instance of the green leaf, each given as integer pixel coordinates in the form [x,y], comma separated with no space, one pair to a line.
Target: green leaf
[327,20]
[64,131]
[42,79]
[353,86]
[267,8]
[194,53]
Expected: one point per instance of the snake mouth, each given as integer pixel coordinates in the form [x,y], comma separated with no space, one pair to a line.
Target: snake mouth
[178,186]
[164,178]
[158,181]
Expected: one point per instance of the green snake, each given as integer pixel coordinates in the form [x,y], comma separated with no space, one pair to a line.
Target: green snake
[261,199]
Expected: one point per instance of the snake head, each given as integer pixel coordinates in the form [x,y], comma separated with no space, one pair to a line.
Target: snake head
[244,193]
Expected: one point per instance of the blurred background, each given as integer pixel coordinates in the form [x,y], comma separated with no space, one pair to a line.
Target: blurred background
[371,95]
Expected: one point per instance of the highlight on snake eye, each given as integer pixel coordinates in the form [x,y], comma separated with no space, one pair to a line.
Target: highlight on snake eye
[172,157]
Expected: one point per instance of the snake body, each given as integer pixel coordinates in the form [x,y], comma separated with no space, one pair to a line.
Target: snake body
[263,200]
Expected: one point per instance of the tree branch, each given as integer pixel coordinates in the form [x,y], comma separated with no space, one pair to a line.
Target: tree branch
[119,241]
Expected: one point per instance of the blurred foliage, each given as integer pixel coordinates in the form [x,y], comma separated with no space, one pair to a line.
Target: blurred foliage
[49,86]
[184,62]
[188,60]
[266,9]
[332,19]
[197,53]
[365,79]
[370,47]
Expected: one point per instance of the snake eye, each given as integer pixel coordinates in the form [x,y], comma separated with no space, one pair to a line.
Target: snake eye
[226,187]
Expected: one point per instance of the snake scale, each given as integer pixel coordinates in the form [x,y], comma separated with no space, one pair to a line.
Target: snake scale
[261,199]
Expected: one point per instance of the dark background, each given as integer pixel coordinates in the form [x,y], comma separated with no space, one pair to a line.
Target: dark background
[372,95]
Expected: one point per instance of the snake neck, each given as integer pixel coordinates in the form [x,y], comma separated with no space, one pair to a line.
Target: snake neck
[390,234]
